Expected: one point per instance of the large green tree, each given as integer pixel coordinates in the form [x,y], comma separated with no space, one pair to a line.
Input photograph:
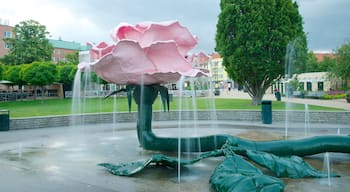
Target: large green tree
[252,37]
[342,66]
[39,74]
[29,44]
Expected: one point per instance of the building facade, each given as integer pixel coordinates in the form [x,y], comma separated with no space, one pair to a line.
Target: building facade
[5,32]
[219,75]
[62,48]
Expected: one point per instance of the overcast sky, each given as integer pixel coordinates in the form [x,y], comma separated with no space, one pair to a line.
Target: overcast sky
[327,22]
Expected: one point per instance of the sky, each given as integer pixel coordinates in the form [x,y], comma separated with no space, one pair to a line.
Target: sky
[326,22]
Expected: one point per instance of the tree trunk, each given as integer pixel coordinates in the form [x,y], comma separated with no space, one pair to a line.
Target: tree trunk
[256,94]
[35,92]
[256,99]
[42,91]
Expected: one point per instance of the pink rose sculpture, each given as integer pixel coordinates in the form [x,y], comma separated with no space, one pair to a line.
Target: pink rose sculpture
[147,53]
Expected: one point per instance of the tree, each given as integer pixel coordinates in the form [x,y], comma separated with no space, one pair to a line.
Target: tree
[342,66]
[70,59]
[73,58]
[39,74]
[327,64]
[67,73]
[29,44]
[252,36]
[311,63]
[13,74]
[2,71]
[66,76]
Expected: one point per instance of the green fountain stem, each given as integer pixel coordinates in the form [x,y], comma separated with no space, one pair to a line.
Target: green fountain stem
[300,147]
[145,96]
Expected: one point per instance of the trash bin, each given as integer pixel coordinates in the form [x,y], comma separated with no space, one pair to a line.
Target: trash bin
[217,92]
[266,111]
[4,120]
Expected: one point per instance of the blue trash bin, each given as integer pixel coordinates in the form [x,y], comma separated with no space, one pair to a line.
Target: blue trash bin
[4,120]
[266,111]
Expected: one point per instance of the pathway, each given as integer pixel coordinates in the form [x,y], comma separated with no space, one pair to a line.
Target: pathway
[336,103]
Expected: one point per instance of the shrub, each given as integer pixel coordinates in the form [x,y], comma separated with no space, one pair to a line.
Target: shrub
[337,96]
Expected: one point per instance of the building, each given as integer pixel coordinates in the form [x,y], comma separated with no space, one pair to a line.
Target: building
[62,48]
[313,84]
[5,32]
[201,60]
[321,55]
[219,74]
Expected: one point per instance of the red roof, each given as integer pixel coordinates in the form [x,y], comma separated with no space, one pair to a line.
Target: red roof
[320,56]
[215,55]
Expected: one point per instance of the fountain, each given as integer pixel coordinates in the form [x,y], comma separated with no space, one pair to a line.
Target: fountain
[307,121]
[148,55]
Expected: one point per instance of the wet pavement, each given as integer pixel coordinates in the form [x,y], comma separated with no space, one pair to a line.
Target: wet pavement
[66,158]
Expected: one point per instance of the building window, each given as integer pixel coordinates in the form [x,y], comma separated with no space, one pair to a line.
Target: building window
[7,34]
[7,46]
[320,86]
[308,86]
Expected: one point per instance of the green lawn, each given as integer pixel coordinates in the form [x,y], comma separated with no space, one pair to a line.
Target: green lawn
[97,105]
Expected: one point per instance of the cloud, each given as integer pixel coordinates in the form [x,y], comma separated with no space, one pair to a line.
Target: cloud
[326,21]
[200,16]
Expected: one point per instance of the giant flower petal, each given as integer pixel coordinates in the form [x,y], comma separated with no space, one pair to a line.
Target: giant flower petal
[129,63]
[147,33]
[147,53]
[100,50]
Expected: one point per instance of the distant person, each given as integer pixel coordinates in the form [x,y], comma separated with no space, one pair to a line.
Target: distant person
[277,94]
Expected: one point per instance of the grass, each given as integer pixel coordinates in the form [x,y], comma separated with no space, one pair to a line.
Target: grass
[19,109]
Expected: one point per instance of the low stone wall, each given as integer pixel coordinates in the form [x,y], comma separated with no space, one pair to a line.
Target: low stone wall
[227,115]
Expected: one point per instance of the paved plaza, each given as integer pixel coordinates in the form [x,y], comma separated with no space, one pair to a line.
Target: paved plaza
[66,158]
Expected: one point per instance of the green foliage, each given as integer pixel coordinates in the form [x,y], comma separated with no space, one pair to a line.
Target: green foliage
[13,73]
[252,36]
[294,84]
[71,59]
[29,44]
[342,67]
[337,96]
[2,71]
[39,73]
[96,79]
[311,63]
[66,73]
[327,64]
